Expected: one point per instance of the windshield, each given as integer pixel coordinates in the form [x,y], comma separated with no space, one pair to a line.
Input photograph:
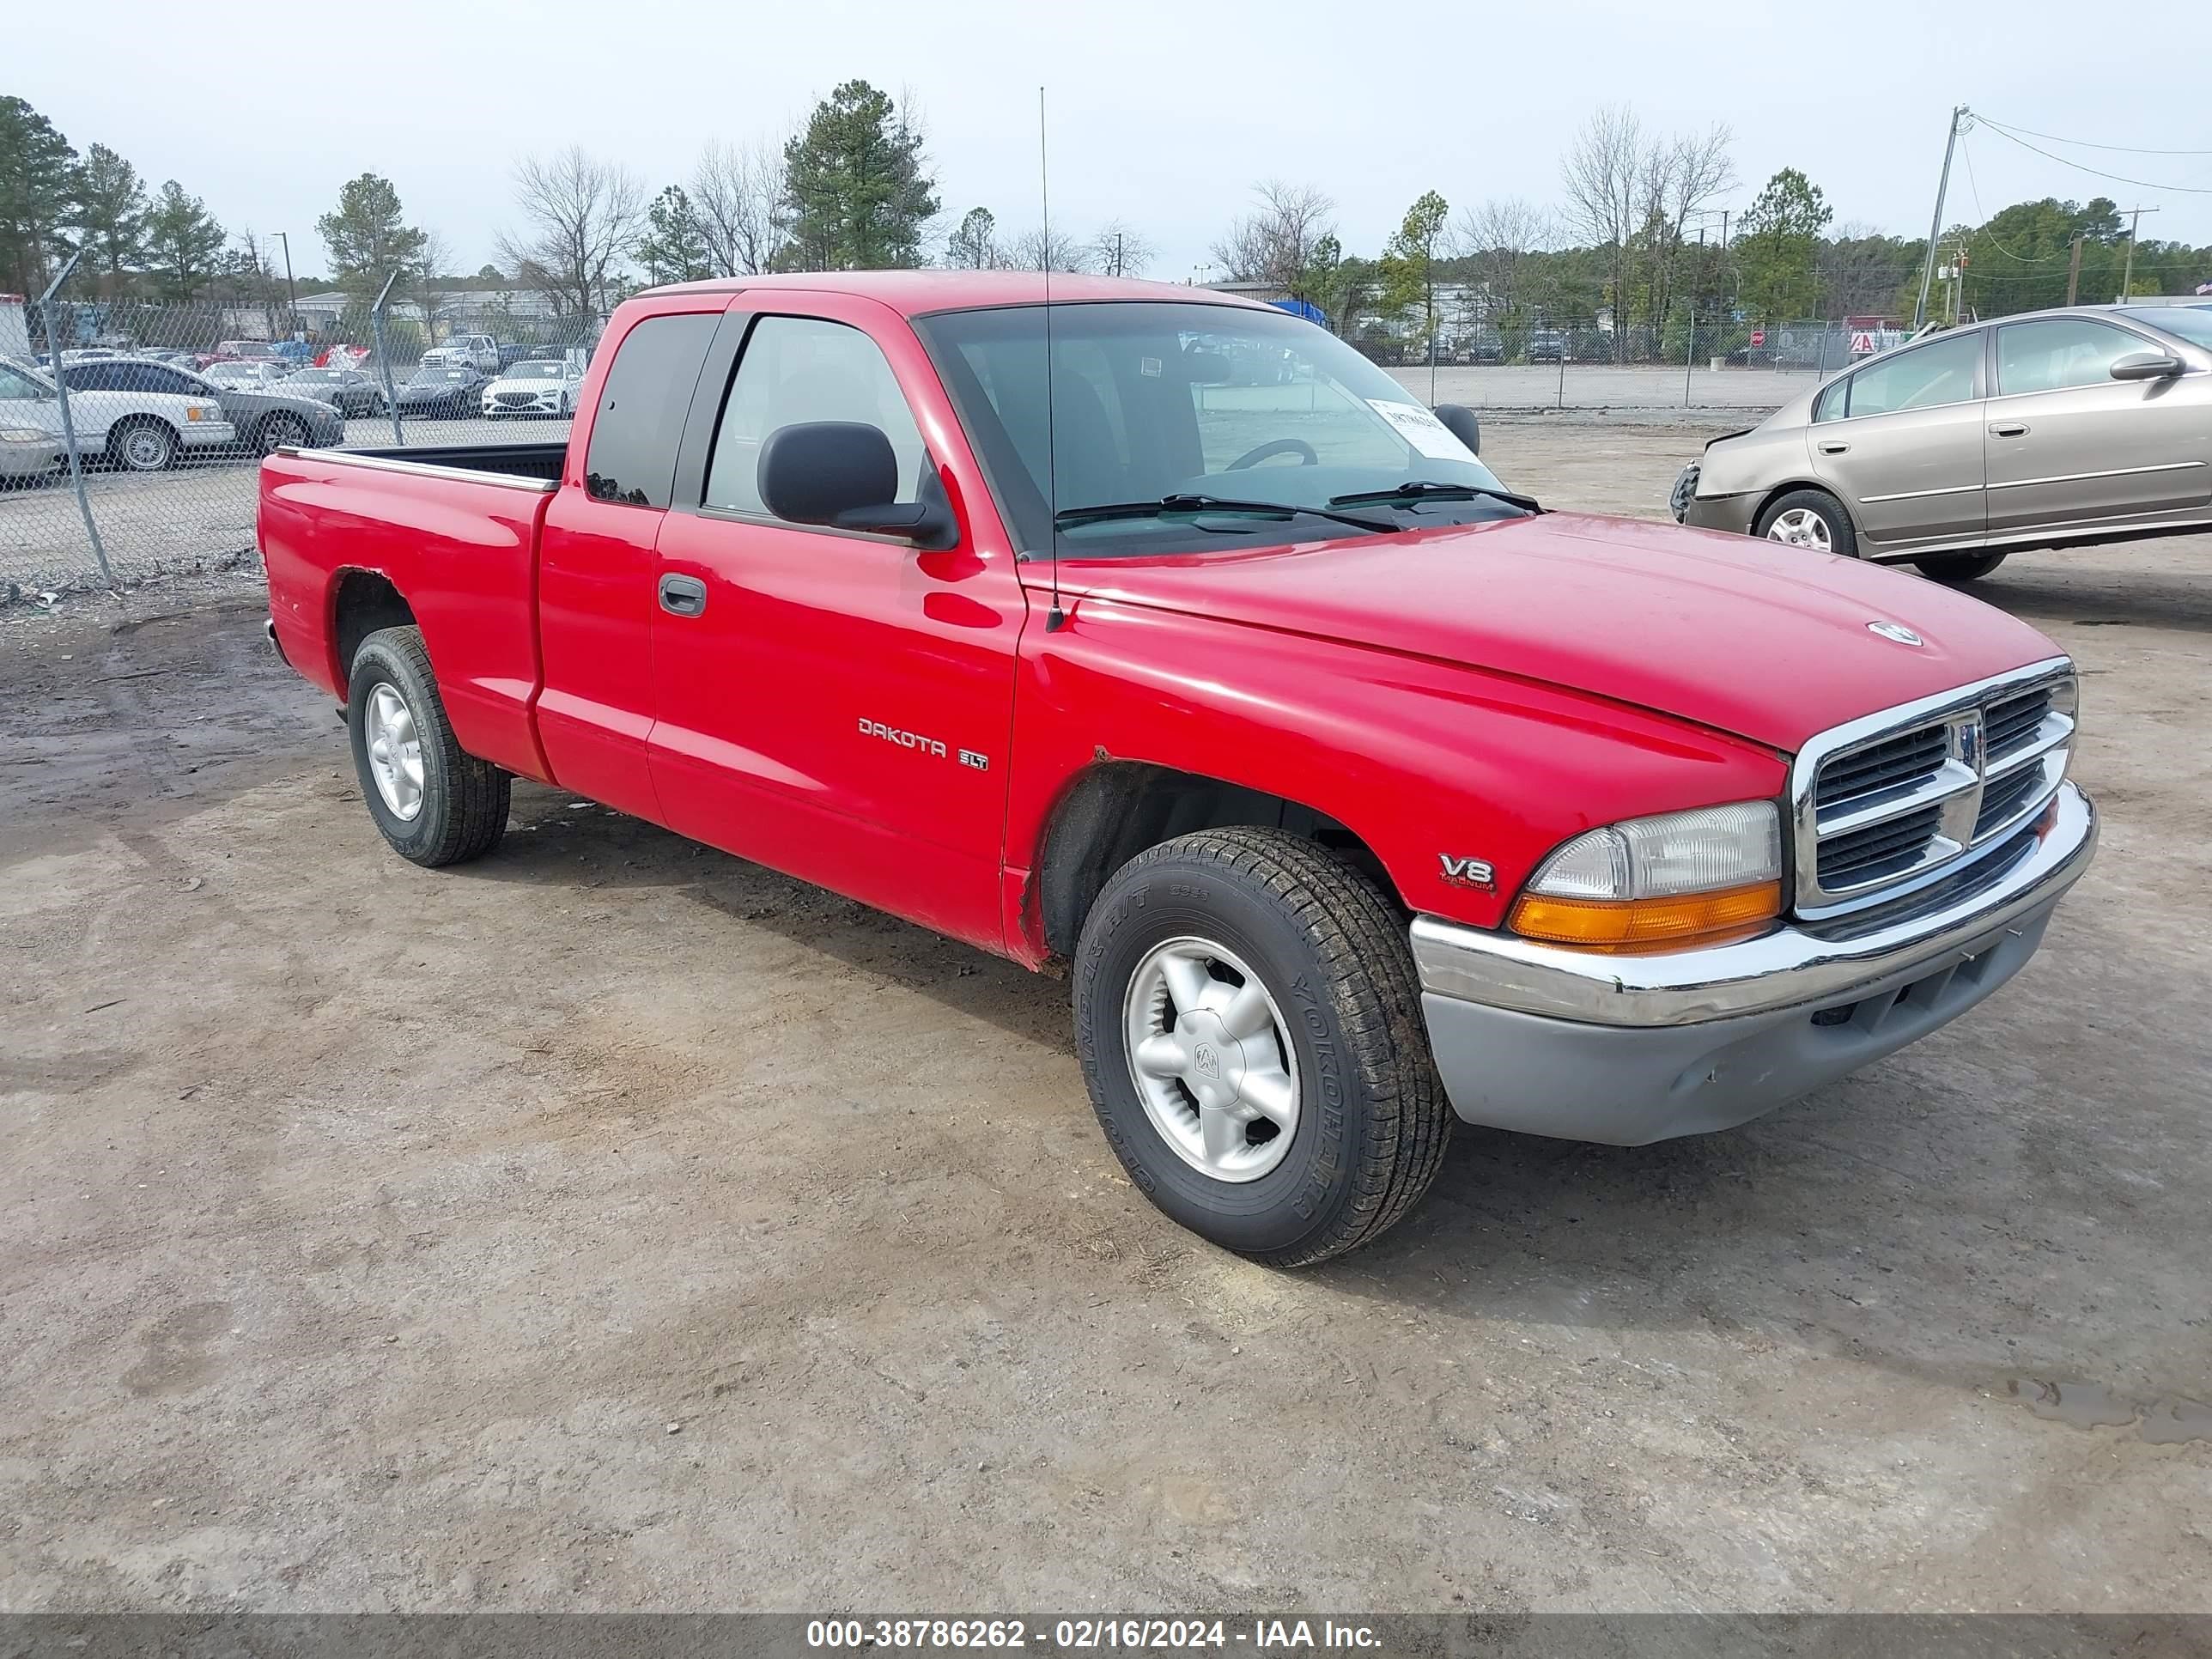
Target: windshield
[21,387]
[534,371]
[2190,323]
[1153,399]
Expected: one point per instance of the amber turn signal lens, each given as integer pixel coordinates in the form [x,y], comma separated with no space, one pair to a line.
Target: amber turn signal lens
[1650,924]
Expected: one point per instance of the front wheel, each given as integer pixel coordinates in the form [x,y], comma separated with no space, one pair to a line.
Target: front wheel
[434,802]
[1969,567]
[1810,518]
[1249,1027]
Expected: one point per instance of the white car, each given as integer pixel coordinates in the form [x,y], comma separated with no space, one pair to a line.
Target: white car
[541,386]
[138,430]
[30,426]
[476,351]
[247,377]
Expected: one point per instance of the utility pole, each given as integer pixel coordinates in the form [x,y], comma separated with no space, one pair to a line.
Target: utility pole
[291,287]
[2134,219]
[1958,119]
[2074,274]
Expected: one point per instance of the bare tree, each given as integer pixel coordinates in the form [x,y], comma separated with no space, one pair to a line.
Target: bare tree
[1630,196]
[1679,178]
[1276,243]
[583,214]
[1118,251]
[1601,172]
[1496,240]
[737,192]
[1047,249]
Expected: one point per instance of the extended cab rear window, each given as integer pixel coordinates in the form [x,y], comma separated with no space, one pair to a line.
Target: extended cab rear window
[643,404]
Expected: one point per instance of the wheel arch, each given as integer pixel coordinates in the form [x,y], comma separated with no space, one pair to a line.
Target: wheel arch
[362,602]
[1114,809]
[1767,500]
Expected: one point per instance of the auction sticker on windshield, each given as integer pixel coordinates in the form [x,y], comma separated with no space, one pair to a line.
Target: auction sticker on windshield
[1422,429]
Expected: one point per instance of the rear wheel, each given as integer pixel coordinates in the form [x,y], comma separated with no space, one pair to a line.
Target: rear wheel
[1810,518]
[1966,567]
[1249,1027]
[143,445]
[434,802]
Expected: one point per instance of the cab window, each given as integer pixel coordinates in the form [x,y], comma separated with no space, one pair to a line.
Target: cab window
[642,406]
[797,369]
[2070,351]
[1926,377]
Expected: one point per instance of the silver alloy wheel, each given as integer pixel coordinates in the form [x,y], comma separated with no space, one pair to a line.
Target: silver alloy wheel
[1801,526]
[395,752]
[281,430]
[1211,1059]
[147,449]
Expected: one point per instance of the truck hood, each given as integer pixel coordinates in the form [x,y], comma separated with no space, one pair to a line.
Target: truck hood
[1767,642]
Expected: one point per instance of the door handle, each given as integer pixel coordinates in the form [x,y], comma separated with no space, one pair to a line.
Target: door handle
[2008,429]
[683,596]
[1834,449]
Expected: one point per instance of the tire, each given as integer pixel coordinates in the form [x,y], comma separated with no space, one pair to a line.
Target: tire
[457,807]
[143,444]
[1342,1027]
[1964,567]
[1816,515]
[281,431]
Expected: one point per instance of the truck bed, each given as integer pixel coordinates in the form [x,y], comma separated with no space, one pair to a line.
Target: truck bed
[539,461]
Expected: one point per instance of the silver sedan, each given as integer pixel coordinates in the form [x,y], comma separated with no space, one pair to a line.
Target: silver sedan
[2056,428]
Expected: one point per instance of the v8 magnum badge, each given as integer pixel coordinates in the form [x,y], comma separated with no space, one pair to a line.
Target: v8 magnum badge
[1468,872]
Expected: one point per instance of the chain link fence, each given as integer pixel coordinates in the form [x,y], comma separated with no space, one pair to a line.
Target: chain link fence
[132,431]
[1585,363]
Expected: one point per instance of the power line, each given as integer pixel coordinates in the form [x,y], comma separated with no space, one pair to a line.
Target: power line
[2083,144]
[2083,166]
[1984,233]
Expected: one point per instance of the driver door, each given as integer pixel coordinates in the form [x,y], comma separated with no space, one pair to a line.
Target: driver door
[833,704]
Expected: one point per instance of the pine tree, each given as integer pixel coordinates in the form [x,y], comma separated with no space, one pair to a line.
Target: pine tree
[855,184]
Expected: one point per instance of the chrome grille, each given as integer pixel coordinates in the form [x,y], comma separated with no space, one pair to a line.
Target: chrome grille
[1908,796]
[1897,762]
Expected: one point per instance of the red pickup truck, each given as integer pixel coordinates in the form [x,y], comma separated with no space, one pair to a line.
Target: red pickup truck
[1158,638]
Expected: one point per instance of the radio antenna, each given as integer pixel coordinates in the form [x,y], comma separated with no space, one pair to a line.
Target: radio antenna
[1054,619]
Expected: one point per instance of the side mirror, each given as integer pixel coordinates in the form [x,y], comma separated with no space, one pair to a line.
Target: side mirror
[1459,420]
[2147,366]
[844,476]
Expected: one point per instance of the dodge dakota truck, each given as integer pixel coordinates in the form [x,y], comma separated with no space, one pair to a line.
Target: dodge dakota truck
[1157,638]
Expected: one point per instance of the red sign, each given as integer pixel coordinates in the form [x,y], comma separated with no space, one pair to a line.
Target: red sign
[1759,337]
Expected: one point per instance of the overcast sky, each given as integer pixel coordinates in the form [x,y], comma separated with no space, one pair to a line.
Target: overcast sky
[1163,114]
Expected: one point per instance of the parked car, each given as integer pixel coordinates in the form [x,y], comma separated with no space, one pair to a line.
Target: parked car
[476,351]
[244,376]
[31,445]
[448,390]
[538,386]
[2063,427]
[244,351]
[1546,345]
[261,418]
[144,415]
[1349,790]
[346,390]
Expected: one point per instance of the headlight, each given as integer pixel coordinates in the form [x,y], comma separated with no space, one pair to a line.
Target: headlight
[26,435]
[1660,882]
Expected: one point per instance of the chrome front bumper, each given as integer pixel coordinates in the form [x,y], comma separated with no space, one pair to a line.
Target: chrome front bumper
[1633,1048]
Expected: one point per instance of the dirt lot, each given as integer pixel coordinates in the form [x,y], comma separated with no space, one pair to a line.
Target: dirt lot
[615,1225]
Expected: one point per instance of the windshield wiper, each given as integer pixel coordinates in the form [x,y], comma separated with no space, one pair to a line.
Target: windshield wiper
[1170,506]
[1425,489]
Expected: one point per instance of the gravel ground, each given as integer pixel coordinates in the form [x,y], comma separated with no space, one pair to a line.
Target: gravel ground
[614,1224]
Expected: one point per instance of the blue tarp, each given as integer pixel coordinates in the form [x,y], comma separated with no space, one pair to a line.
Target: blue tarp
[1305,308]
